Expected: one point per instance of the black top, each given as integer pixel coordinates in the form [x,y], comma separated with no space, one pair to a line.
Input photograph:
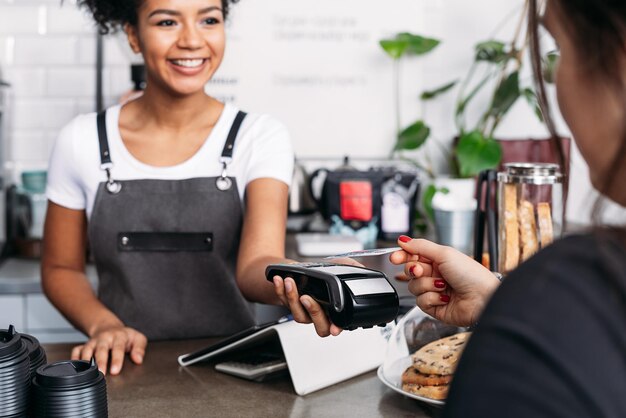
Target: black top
[552,341]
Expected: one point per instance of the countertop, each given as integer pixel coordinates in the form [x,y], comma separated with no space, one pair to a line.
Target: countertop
[161,388]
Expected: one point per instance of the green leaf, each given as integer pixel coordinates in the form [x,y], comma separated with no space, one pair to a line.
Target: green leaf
[475,153]
[506,95]
[462,105]
[427,199]
[431,94]
[413,136]
[394,48]
[408,44]
[417,45]
[531,98]
[491,51]
[550,62]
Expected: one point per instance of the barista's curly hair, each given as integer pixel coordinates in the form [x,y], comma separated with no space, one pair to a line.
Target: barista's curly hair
[113,14]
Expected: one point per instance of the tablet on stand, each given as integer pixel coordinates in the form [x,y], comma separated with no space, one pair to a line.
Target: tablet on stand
[312,361]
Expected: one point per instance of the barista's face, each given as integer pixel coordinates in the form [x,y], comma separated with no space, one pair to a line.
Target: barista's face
[593,111]
[182,42]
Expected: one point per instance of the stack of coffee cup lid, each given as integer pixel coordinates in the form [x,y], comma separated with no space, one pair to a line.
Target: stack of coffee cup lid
[70,388]
[14,374]
[36,353]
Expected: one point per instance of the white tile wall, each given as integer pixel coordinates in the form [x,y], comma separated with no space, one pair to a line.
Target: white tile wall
[30,146]
[48,54]
[71,82]
[31,50]
[19,20]
[68,20]
[12,312]
[29,82]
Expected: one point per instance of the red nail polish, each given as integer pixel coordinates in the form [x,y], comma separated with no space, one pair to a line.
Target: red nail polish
[444,298]
[411,271]
[404,238]
[440,284]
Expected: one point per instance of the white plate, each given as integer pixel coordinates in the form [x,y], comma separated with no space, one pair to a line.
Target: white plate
[395,383]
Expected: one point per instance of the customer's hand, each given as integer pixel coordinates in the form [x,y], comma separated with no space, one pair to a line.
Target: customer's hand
[305,309]
[448,284]
[110,345]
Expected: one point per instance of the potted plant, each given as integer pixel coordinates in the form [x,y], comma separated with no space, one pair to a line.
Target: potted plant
[495,71]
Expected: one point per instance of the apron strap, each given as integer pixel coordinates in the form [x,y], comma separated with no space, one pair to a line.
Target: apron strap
[106,164]
[223,183]
[105,155]
[227,152]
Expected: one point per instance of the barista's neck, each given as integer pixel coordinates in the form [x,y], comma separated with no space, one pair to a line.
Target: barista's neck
[176,112]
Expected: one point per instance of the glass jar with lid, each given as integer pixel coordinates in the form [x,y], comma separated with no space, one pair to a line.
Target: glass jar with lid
[530,210]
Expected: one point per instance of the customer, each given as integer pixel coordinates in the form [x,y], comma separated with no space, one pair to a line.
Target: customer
[182,199]
[551,342]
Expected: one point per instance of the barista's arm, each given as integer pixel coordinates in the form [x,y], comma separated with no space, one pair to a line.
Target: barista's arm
[63,270]
[263,243]
[262,238]
[64,282]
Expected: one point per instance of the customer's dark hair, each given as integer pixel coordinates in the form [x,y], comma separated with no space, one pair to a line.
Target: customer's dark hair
[598,29]
[113,14]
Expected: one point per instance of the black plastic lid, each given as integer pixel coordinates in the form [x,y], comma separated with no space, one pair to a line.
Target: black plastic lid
[10,342]
[32,344]
[67,373]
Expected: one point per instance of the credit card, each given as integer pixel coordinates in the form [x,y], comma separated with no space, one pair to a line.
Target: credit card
[365,253]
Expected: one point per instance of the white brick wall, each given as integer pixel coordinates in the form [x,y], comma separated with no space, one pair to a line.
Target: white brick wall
[48,54]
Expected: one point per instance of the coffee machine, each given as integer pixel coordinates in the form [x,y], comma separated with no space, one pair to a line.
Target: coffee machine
[25,214]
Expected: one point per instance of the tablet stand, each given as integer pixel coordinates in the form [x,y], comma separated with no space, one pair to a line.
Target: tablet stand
[314,362]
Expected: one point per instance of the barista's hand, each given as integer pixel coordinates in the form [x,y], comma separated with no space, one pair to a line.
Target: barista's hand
[112,343]
[303,308]
[448,284]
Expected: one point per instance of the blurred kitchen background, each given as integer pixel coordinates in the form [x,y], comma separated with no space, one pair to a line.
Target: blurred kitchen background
[316,65]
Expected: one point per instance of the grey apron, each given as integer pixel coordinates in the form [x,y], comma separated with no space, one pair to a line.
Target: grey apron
[166,250]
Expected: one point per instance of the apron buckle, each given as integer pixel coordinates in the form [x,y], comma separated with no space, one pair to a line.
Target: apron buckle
[223,182]
[112,186]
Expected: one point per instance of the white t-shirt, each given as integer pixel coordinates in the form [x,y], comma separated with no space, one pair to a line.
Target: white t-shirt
[262,149]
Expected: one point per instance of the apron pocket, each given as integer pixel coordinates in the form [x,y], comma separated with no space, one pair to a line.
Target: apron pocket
[165,241]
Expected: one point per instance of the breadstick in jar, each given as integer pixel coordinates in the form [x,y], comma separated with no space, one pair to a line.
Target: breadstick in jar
[527,229]
[544,218]
[511,228]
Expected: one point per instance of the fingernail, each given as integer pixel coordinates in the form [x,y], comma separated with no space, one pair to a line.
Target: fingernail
[411,271]
[440,284]
[444,298]
[306,303]
[404,238]
[114,369]
[288,286]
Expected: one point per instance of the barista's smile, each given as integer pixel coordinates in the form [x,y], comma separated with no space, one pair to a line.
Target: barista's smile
[188,66]
[188,62]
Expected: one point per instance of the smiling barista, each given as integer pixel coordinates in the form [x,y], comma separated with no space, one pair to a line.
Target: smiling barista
[183,198]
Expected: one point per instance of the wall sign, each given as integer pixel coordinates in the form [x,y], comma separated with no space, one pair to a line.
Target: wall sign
[317,66]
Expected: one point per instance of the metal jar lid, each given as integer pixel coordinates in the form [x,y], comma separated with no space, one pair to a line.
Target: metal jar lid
[531,173]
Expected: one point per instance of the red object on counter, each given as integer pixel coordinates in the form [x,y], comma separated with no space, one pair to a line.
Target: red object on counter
[356,200]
